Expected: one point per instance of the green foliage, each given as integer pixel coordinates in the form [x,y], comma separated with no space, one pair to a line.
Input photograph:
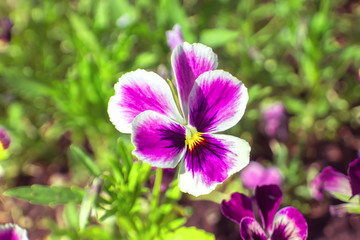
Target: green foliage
[58,71]
[53,195]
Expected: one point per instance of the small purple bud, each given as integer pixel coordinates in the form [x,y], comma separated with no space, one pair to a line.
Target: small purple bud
[174,37]
[256,175]
[4,138]
[5,30]
[276,121]
[354,176]
[12,232]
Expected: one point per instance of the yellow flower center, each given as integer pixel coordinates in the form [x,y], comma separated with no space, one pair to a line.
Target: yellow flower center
[193,138]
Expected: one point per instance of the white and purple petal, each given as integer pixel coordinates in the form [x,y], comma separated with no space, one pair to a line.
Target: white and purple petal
[189,61]
[354,176]
[174,37]
[137,92]
[289,224]
[238,207]
[218,101]
[251,230]
[158,140]
[331,181]
[12,232]
[211,162]
[268,199]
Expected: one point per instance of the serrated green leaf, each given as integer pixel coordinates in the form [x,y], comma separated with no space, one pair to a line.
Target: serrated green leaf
[47,195]
[78,155]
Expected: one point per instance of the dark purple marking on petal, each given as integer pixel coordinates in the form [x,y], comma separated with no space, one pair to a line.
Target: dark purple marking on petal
[158,140]
[268,199]
[216,102]
[189,61]
[251,230]
[354,175]
[208,158]
[4,138]
[331,181]
[289,224]
[238,207]
[212,161]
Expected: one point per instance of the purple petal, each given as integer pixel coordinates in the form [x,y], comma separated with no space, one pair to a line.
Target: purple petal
[238,207]
[252,175]
[12,232]
[256,175]
[251,230]
[158,140]
[339,210]
[4,139]
[189,61]
[354,175]
[289,224]
[331,181]
[217,101]
[272,176]
[137,92]
[174,37]
[268,199]
[211,161]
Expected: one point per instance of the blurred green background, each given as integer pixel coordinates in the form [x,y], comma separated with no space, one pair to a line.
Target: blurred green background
[58,70]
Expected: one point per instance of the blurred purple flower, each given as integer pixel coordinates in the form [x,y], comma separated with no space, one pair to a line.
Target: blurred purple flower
[286,224]
[276,121]
[331,181]
[4,139]
[255,175]
[174,37]
[5,30]
[12,232]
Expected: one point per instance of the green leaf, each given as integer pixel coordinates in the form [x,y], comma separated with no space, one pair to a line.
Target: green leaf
[47,195]
[217,37]
[84,34]
[89,202]
[78,155]
[186,233]
[341,196]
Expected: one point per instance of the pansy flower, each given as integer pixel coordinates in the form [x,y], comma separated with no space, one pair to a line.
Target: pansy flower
[165,134]
[12,232]
[339,186]
[286,224]
[255,174]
